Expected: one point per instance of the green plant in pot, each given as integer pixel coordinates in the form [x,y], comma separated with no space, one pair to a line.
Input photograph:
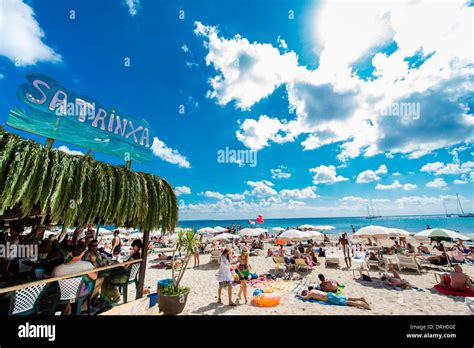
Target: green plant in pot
[173,298]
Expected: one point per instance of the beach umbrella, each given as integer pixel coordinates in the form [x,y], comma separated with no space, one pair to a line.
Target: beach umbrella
[324,228]
[398,232]
[373,232]
[294,235]
[278,229]
[262,230]
[251,232]
[315,235]
[173,236]
[440,233]
[307,227]
[220,229]
[224,236]
[207,230]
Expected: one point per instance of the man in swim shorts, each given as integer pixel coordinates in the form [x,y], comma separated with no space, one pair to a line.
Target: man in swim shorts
[358,302]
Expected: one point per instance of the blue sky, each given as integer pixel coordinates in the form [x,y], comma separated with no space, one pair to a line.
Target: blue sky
[314,89]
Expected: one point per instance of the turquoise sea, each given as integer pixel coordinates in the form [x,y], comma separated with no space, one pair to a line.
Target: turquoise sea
[414,223]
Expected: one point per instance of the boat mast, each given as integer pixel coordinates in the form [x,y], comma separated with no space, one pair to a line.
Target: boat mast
[460,206]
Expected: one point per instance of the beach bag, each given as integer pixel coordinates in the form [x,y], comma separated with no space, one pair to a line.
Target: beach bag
[366,278]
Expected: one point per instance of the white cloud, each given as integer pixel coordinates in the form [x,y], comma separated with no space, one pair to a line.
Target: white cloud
[235,196]
[133,6]
[261,188]
[308,192]
[370,176]
[67,150]
[182,190]
[459,182]
[396,185]
[396,174]
[326,175]
[333,103]
[168,154]
[439,168]
[354,199]
[185,48]
[213,194]
[22,36]
[437,183]
[382,169]
[279,173]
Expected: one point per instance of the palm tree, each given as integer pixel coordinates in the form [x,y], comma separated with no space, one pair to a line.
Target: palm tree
[188,242]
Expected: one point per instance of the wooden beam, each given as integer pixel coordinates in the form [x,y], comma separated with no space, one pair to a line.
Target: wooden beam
[49,143]
[75,275]
[141,276]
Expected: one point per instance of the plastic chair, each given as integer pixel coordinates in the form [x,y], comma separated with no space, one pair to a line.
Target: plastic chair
[70,292]
[133,273]
[25,301]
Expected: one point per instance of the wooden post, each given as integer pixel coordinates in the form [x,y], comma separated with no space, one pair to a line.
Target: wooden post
[128,164]
[141,276]
[49,143]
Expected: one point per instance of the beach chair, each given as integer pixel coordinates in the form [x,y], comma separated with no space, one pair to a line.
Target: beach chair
[410,262]
[215,255]
[360,265]
[301,263]
[331,259]
[25,301]
[133,273]
[70,292]
[280,264]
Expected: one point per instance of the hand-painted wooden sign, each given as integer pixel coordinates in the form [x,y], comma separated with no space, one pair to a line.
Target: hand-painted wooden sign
[61,114]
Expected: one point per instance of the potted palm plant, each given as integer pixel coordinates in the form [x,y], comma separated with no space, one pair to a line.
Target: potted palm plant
[173,298]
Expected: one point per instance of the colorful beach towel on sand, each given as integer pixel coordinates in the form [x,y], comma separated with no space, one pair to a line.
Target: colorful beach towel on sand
[446,290]
[314,301]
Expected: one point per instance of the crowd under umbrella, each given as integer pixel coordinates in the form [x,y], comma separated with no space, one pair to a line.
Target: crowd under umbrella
[224,236]
[220,229]
[315,235]
[398,232]
[249,232]
[435,233]
[377,232]
[278,229]
[294,235]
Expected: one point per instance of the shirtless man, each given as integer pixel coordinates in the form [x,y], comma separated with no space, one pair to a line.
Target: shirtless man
[332,298]
[327,285]
[423,249]
[396,279]
[345,249]
[459,280]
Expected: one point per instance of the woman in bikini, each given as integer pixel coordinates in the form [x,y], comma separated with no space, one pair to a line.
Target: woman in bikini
[243,270]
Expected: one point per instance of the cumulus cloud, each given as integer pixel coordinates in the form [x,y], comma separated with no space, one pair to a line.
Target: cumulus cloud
[67,150]
[437,183]
[235,196]
[22,37]
[353,199]
[182,190]
[326,175]
[370,175]
[459,182]
[439,168]
[308,192]
[167,154]
[212,194]
[333,103]
[280,173]
[396,185]
[262,188]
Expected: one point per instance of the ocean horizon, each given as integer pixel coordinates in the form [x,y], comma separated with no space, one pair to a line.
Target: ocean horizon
[410,223]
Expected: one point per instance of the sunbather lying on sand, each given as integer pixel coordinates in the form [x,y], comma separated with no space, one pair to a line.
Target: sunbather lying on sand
[457,280]
[395,279]
[332,298]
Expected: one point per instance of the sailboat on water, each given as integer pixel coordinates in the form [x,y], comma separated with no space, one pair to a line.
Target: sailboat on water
[463,214]
[371,215]
[446,211]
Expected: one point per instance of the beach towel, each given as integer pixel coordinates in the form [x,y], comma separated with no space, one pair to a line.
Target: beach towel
[447,290]
[314,301]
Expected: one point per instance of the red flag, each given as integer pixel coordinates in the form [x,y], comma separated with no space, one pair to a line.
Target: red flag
[259,219]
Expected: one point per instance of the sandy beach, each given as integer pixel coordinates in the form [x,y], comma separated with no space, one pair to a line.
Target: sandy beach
[383,299]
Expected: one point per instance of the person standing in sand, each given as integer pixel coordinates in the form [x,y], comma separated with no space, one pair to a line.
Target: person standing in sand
[346,250]
[224,277]
[243,270]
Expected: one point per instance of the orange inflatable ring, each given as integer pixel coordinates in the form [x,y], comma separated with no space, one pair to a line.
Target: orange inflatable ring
[267,299]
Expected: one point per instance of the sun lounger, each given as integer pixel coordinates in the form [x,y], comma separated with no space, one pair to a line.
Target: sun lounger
[331,259]
[359,265]
[215,255]
[408,262]
[280,264]
[301,263]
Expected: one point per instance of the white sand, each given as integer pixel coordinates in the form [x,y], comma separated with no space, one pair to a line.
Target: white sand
[383,299]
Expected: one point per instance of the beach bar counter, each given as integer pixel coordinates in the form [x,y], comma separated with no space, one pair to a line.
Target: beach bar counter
[40,186]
